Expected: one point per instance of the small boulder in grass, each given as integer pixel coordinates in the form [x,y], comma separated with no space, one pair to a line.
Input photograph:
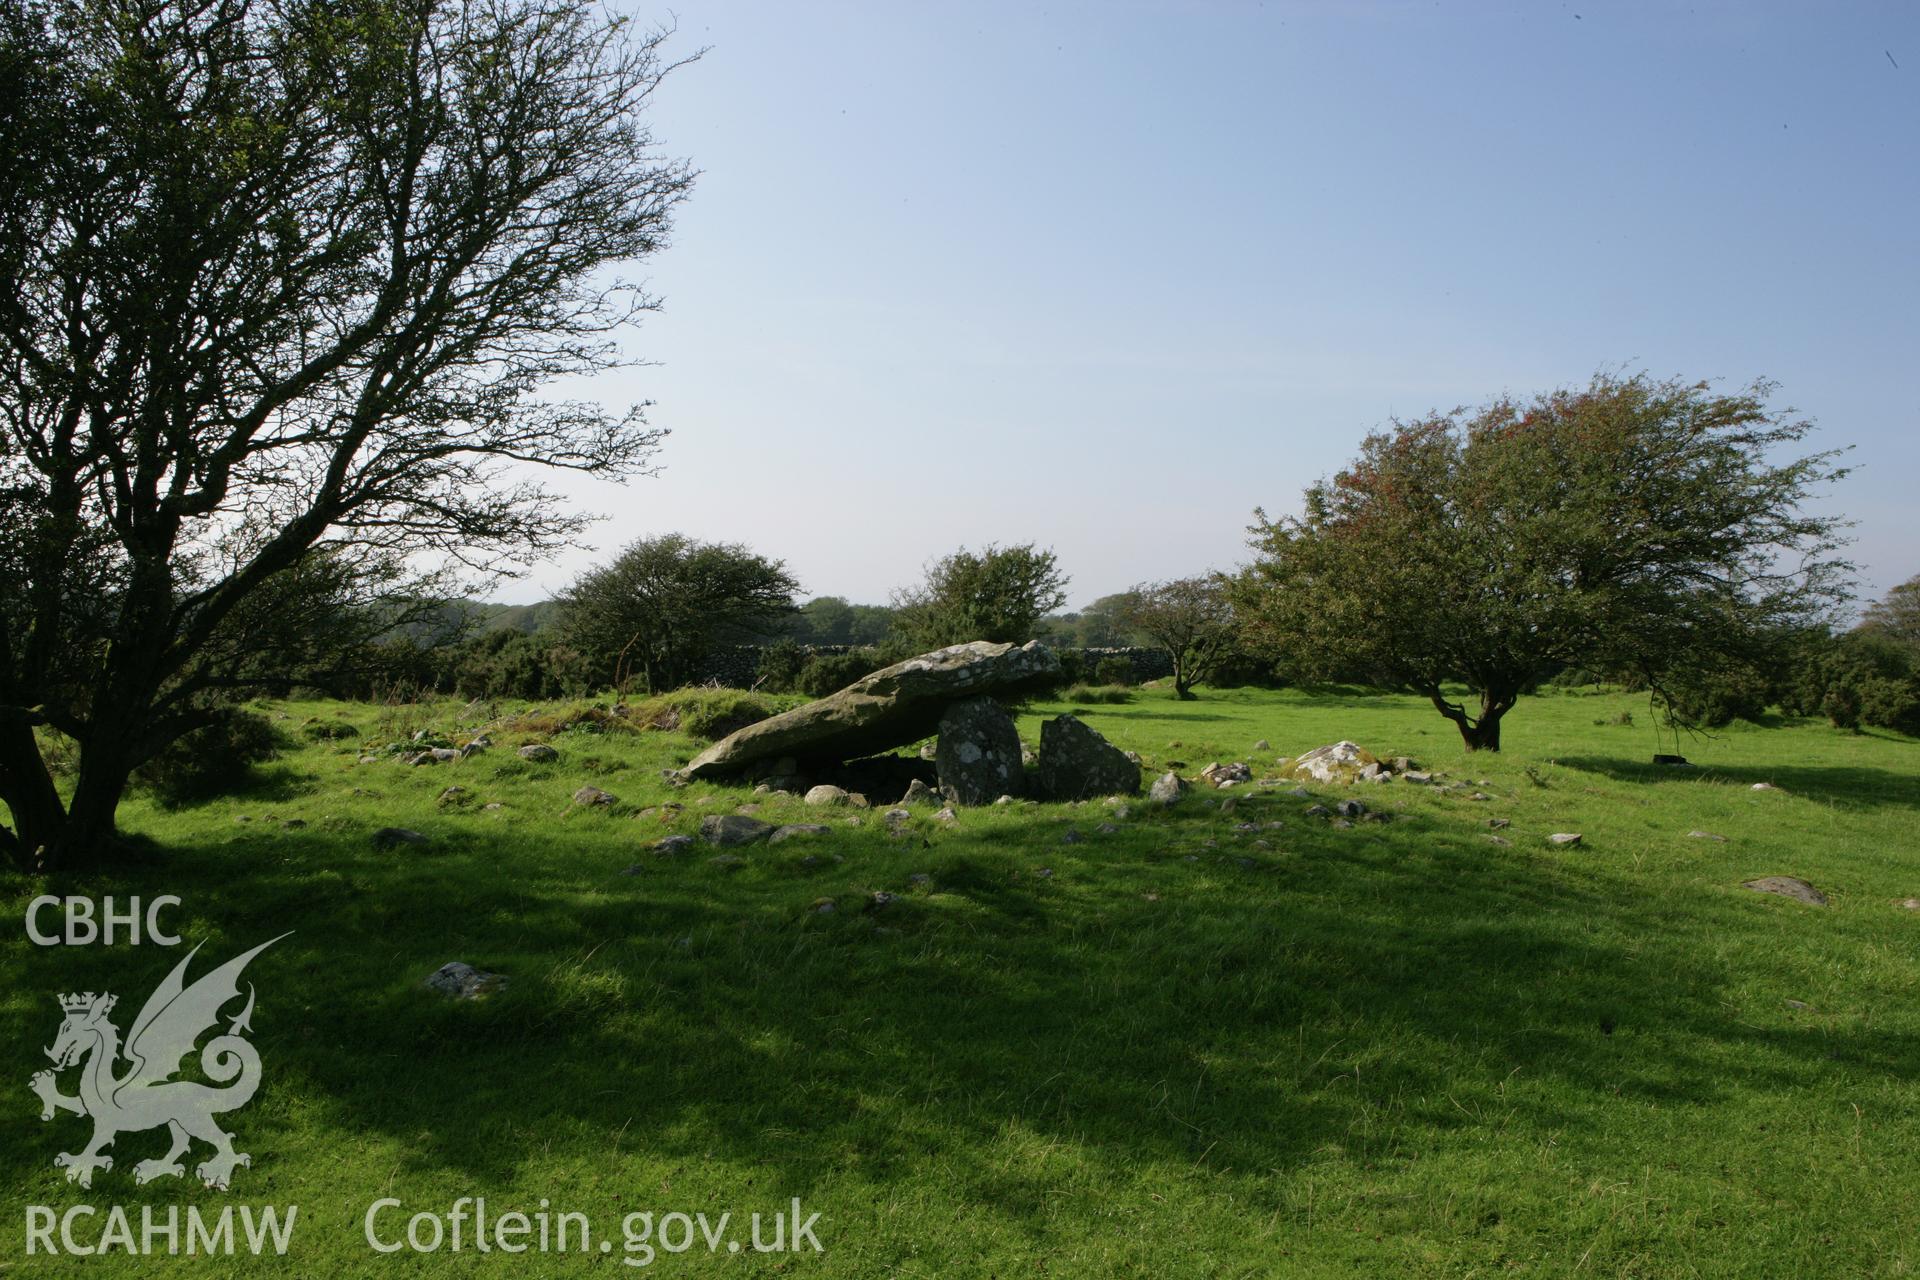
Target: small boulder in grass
[459,980]
[1764,786]
[1706,835]
[396,837]
[797,831]
[1910,904]
[1787,887]
[1565,839]
[593,798]
[734,829]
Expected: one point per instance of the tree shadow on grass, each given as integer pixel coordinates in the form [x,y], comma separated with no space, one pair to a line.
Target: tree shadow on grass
[1847,786]
[1169,996]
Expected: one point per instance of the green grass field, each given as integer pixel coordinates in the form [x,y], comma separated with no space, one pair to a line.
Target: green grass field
[1178,1048]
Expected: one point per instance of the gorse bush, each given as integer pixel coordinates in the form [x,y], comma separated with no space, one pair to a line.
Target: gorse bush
[214,761]
[1860,678]
[826,673]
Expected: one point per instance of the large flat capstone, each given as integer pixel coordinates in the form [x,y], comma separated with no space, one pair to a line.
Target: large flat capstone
[890,708]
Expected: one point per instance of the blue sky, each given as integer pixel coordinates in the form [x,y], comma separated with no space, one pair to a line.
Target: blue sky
[1106,277]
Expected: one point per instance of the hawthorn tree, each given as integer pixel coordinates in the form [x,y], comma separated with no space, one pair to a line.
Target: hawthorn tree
[1635,526]
[1896,616]
[281,284]
[663,603]
[1191,619]
[998,593]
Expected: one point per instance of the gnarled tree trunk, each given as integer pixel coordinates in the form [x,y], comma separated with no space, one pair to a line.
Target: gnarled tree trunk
[1481,732]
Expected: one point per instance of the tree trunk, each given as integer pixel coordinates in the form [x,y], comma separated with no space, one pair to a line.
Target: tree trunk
[1481,733]
[30,796]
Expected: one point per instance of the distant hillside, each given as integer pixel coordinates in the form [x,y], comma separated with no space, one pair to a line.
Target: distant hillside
[514,617]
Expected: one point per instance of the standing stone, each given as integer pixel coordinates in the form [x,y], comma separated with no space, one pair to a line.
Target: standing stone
[978,754]
[1076,762]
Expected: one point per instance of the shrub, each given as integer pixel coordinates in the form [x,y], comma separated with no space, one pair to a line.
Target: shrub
[1114,670]
[216,760]
[1856,679]
[826,673]
[1087,694]
[780,666]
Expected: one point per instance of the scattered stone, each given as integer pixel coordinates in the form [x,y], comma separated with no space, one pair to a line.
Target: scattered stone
[454,796]
[729,830]
[1004,800]
[1564,839]
[1350,809]
[1246,828]
[1076,762]
[1373,771]
[1403,764]
[635,870]
[978,754]
[369,759]
[1479,795]
[823,907]
[1106,829]
[539,753]
[893,707]
[1499,824]
[1788,887]
[394,837]
[763,790]
[1910,904]
[1263,745]
[421,735]
[1706,835]
[594,798]
[796,831]
[1319,811]
[1764,786]
[492,806]
[1337,762]
[1796,1004]
[947,816]
[726,862]
[1502,841]
[671,846]
[880,900]
[1072,836]
[1301,793]
[1226,775]
[461,981]
[1044,873]
[746,808]
[919,792]
[1417,778]
[826,794]
[434,755]
[896,817]
[1341,824]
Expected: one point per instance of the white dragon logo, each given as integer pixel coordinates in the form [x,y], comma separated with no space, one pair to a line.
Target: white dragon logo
[170,1022]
